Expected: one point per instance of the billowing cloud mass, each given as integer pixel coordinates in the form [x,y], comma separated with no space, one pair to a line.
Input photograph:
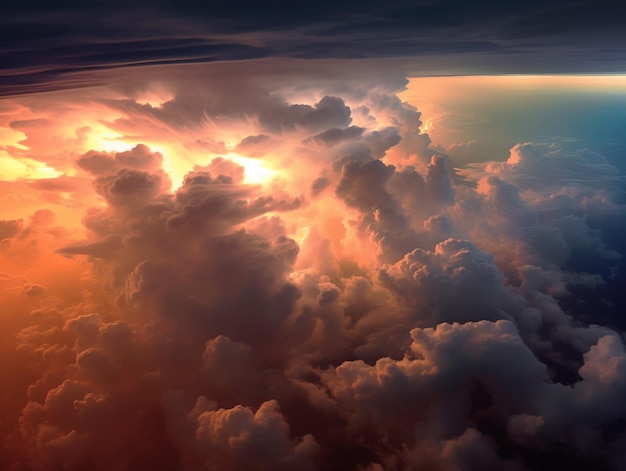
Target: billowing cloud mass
[231,273]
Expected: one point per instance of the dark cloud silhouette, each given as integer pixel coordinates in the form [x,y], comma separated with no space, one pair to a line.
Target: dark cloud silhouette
[33,290]
[140,158]
[62,44]
[327,113]
[334,136]
[254,146]
[10,228]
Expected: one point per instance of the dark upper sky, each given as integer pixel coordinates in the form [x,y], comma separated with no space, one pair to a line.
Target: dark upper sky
[45,41]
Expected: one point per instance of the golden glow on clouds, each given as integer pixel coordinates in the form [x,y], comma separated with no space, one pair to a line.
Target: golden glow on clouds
[162,293]
[64,126]
[12,138]
[255,170]
[155,96]
[12,169]
[15,162]
[109,142]
[428,125]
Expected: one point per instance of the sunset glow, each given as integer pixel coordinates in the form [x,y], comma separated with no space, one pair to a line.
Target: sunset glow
[253,170]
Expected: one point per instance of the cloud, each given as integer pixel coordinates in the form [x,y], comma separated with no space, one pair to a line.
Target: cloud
[139,158]
[334,136]
[327,113]
[254,146]
[463,284]
[365,306]
[238,438]
[33,290]
[10,228]
[545,162]
[51,48]
[427,395]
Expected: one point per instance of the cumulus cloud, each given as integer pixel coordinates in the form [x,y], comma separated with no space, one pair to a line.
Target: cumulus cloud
[10,228]
[329,112]
[139,158]
[33,290]
[365,306]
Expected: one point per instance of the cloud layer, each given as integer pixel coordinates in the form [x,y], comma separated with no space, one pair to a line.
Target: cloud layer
[361,305]
[60,47]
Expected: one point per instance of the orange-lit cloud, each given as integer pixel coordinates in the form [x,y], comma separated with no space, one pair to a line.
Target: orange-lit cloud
[228,271]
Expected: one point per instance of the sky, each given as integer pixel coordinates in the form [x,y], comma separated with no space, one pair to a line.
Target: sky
[369,236]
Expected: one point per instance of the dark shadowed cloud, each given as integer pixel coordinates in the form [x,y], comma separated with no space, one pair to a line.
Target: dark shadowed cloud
[52,42]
